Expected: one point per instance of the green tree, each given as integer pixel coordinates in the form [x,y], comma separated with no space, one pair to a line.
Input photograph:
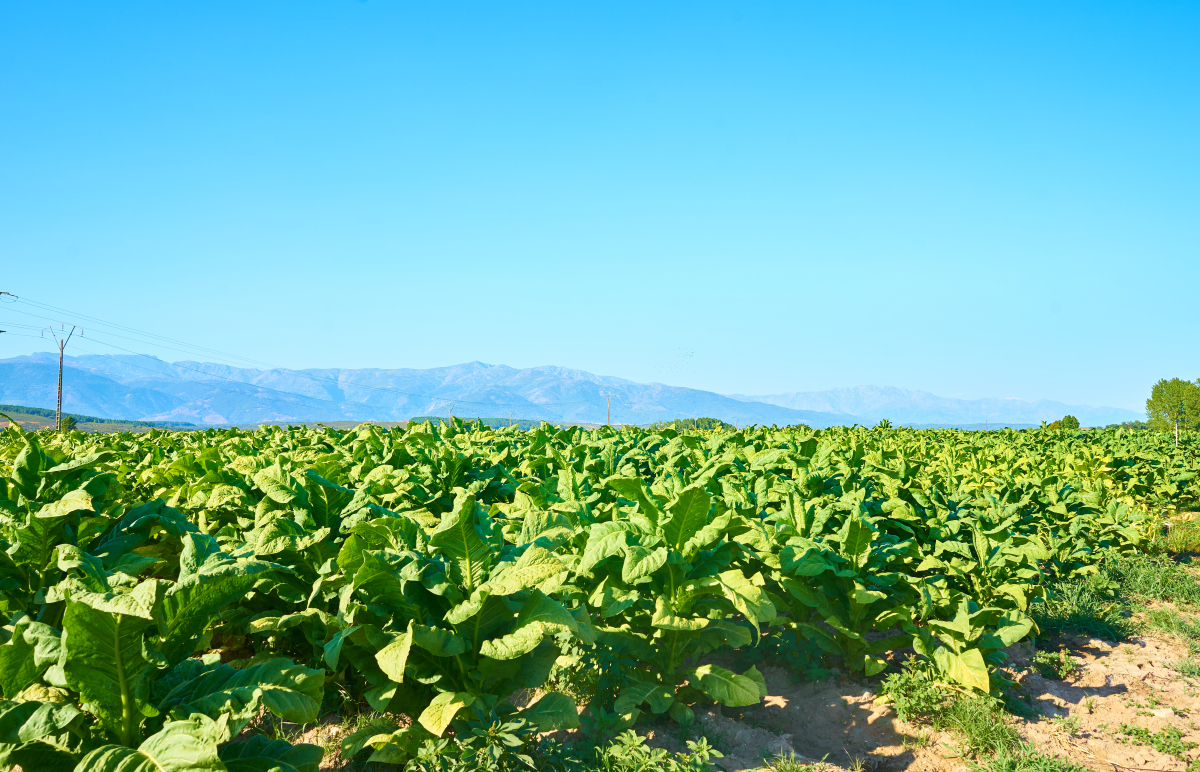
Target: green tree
[1070,422]
[68,423]
[1172,403]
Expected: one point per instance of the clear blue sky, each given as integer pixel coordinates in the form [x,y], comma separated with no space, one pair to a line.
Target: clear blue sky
[972,199]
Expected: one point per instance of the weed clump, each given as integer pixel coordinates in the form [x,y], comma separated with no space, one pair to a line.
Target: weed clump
[1058,666]
[979,720]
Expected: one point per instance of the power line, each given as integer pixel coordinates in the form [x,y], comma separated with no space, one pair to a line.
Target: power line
[298,373]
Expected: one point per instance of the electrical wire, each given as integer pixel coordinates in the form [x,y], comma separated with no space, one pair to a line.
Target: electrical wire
[299,373]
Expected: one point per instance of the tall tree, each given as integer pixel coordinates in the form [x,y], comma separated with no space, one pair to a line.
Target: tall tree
[1172,403]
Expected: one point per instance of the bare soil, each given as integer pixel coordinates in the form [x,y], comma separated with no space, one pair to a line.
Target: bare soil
[837,722]
[1080,719]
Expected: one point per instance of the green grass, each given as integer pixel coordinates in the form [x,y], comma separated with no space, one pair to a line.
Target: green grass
[1027,759]
[1088,607]
[1178,538]
[1157,578]
[1186,667]
[1171,622]
[794,763]
[979,721]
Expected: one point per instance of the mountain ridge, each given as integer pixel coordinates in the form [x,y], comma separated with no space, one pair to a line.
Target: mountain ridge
[913,406]
[150,389]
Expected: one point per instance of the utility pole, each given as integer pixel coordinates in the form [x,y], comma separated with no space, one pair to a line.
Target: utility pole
[609,401]
[62,344]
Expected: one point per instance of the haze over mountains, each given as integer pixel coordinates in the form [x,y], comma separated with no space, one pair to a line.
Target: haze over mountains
[146,388]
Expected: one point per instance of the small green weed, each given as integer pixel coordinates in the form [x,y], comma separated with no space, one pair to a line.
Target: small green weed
[1186,667]
[794,763]
[979,720]
[1069,725]
[1169,741]
[1027,759]
[913,692]
[1058,666]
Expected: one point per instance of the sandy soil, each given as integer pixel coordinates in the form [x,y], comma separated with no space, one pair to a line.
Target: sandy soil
[1080,719]
[837,721]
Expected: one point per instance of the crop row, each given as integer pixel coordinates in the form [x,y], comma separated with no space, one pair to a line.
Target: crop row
[162,591]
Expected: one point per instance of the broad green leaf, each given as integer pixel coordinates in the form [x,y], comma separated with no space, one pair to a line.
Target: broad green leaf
[181,746]
[966,668]
[442,710]
[688,515]
[290,691]
[393,657]
[534,567]
[333,649]
[260,754]
[641,562]
[657,695]
[552,712]
[103,660]
[635,490]
[521,641]
[438,641]
[457,538]
[729,688]
[17,666]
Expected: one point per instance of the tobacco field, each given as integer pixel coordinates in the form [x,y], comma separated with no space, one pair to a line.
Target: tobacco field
[164,594]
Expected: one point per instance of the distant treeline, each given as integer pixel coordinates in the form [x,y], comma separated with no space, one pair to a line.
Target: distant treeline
[87,419]
[693,424]
[492,423]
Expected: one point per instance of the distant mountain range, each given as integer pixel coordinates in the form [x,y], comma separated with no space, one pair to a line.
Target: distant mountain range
[869,404]
[145,388]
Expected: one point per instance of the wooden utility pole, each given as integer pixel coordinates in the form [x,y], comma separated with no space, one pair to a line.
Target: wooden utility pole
[62,344]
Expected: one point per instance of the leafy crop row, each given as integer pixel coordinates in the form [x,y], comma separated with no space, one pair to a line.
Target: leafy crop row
[161,591]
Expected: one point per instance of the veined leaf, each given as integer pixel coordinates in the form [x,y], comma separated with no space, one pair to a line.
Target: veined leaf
[456,537]
[689,514]
[442,710]
[393,657]
[552,712]
[966,668]
[729,688]
[259,754]
[181,746]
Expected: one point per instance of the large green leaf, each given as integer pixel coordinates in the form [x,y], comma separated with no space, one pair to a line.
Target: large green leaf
[457,538]
[442,710]
[552,712]
[729,688]
[18,669]
[393,657]
[181,746]
[260,754]
[689,514]
[191,605]
[966,668]
[292,692]
[103,657]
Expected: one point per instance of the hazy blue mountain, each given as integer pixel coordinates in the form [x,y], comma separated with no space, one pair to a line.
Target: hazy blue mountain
[149,389]
[144,388]
[904,406]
